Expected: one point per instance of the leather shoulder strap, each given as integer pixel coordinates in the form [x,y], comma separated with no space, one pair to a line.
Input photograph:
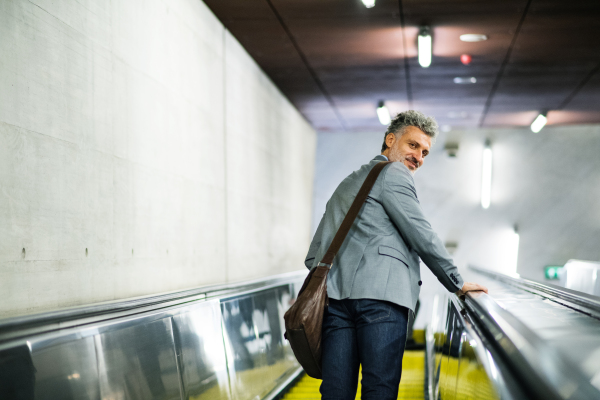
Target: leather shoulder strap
[360,198]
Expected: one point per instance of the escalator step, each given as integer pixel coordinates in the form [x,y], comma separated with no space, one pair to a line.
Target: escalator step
[411,386]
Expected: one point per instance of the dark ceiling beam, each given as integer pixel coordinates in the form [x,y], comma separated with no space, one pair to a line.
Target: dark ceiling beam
[311,71]
[580,86]
[409,95]
[496,83]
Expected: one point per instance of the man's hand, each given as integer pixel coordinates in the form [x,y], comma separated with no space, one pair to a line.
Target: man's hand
[471,287]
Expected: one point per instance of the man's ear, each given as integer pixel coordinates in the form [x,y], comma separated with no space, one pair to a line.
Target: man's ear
[390,139]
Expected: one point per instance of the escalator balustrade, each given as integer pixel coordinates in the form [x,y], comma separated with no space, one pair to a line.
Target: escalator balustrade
[226,342]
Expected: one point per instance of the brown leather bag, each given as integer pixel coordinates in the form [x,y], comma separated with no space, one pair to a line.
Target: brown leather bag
[304,319]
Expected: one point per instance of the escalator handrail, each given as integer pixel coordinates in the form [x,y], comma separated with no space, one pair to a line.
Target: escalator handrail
[579,301]
[488,355]
[542,368]
[35,324]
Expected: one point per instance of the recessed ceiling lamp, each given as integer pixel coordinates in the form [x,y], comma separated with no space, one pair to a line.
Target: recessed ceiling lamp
[465,80]
[539,123]
[383,113]
[369,3]
[424,46]
[486,176]
[473,37]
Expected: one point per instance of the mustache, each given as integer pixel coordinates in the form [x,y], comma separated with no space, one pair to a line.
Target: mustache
[414,161]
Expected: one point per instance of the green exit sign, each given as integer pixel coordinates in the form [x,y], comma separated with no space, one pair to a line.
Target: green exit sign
[553,271]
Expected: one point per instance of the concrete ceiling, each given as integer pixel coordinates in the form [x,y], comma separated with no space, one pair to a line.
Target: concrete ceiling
[335,59]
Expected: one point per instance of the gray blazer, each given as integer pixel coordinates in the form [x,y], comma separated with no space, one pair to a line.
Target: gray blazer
[380,256]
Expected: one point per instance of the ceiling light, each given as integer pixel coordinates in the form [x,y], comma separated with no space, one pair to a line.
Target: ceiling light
[383,114]
[486,176]
[539,123]
[465,80]
[369,3]
[473,37]
[424,46]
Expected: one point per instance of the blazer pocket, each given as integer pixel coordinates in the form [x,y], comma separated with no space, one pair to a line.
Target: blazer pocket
[391,252]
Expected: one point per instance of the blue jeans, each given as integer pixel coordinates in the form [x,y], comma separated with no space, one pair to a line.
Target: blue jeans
[371,333]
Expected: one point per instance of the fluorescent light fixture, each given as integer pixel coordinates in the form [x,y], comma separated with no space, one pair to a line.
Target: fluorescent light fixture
[383,114]
[465,80]
[369,3]
[515,249]
[473,37]
[486,176]
[424,47]
[539,123]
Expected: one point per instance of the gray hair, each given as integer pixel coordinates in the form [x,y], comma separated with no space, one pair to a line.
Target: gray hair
[411,118]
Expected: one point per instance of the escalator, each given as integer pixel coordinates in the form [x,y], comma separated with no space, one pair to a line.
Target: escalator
[411,387]
[525,340]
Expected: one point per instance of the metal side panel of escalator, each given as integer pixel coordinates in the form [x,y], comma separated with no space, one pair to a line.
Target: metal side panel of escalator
[525,340]
[219,342]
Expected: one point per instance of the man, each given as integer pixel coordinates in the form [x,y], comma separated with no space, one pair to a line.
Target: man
[375,277]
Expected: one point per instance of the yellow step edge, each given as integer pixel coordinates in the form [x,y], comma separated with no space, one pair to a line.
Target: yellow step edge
[411,386]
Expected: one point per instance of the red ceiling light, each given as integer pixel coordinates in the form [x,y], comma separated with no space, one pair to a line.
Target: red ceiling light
[465,59]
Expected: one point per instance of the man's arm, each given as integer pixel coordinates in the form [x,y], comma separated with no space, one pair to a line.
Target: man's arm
[314,245]
[402,206]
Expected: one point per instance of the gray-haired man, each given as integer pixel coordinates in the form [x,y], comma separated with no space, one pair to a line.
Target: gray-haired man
[375,278]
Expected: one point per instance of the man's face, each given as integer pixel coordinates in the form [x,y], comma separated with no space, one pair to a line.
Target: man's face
[410,148]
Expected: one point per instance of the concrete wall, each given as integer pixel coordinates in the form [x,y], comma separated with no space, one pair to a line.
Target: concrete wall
[547,184]
[141,151]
